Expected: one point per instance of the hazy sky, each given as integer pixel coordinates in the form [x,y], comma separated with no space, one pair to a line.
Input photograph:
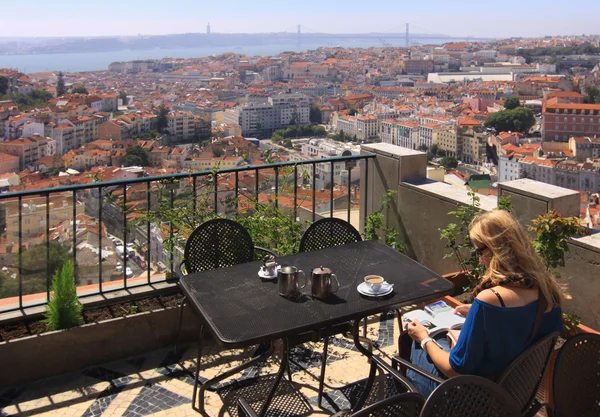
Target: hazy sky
[155,17]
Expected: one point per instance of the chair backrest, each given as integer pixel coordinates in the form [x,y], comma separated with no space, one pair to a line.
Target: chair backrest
[402,405]
[523,376]
[470,396]
[217,243]
[576,380]
[328,232]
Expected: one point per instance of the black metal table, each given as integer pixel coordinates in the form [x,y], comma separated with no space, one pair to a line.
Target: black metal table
[241,310]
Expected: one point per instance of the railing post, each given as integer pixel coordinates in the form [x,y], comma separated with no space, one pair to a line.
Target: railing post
[20,252]
[295,192]
[148,228]
[314,192]
[332,181]
[276,186]
[75,236]
[349,191]
[100,240]
[125,253]
[48,277]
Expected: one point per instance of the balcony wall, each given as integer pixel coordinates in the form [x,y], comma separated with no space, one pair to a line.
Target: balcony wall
[421,206]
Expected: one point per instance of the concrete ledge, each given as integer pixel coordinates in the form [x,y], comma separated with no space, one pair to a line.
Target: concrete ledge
[447,192]
[531,198]
[54,353]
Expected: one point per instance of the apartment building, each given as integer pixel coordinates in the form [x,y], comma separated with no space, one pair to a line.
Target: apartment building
[363,127]
[447,140]
[180,125]
[28,150]
[325,148]
[584,148]
[538,169]
[33,216]
[9,163]
[276,113]
[562,120]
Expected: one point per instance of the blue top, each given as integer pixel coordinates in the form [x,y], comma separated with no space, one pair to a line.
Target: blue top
[493,336]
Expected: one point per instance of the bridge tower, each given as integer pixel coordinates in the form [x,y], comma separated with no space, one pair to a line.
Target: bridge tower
[407,42]
[299,41]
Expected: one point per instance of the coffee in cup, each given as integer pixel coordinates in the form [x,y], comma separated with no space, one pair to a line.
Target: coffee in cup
[374,282]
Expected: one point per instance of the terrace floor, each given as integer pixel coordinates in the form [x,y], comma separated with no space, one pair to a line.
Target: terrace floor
[160,383]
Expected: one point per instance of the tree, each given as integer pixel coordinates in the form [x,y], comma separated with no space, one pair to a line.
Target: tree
[294,118]
[61,90]
[79,89]
[592,94]
[315,115]
[519,119]
[422,147]
[123,97]
[352,111]
[217,151]
[161,119]
[136,156]
[449,162]
[512,103]
[64,309]
[287,143]
[319,131]
[3,85]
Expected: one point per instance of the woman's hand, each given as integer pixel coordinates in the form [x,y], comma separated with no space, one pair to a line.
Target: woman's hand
[417,331]
[462,310]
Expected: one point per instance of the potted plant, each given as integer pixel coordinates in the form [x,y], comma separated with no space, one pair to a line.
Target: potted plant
[552,233]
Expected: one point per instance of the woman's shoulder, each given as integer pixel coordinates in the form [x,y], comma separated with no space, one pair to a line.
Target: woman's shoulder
[489,297]
[501,296]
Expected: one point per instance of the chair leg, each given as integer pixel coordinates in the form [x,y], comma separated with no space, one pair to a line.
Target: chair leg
[197,375]
[323,364]
[365,326]
[179,324]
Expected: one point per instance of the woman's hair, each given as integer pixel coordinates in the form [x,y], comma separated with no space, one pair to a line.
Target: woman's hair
[513,258]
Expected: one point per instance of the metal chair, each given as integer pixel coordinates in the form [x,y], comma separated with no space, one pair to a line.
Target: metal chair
[470,396]
[521,379]
[217,243]
[328,232]
[576,379]
[524,375]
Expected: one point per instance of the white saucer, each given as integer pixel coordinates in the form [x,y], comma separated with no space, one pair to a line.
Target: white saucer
[365,289]
[263,275]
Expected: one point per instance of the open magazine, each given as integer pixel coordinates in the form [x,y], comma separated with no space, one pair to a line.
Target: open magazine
[436,318]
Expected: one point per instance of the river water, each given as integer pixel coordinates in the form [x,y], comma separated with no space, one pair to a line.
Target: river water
[95,61]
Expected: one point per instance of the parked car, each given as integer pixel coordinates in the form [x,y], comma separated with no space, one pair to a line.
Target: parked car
[128,272]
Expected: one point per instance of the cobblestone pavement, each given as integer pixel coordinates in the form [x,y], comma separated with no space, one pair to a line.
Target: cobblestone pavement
[160,383]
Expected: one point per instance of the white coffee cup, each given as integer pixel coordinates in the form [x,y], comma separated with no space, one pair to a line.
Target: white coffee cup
[374,282]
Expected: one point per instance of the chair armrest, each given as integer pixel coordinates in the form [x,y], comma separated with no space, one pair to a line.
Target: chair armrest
[269,251]
[395,374]
[179,270]
[396,360]
[244,409]
[409,397]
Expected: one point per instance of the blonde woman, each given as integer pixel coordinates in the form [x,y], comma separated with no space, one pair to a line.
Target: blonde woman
[500,323]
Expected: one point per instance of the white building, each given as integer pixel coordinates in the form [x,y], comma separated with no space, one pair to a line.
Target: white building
[508,168]
[326,148]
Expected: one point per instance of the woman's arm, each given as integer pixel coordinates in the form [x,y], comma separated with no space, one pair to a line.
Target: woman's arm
[439,357]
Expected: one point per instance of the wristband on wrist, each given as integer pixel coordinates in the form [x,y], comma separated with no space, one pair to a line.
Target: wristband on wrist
[427,340]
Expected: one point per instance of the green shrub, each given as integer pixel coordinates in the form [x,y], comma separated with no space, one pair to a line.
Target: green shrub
[64,309]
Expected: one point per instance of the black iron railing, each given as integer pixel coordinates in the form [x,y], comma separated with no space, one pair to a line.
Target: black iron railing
[52,224]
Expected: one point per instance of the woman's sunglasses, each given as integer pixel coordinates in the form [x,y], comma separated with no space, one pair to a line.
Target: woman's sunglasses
[478,251]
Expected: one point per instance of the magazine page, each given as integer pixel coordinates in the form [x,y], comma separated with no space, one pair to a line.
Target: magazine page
[449,320]
[428,321]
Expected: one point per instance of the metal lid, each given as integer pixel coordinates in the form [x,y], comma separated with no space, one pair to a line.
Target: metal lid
[321,270]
